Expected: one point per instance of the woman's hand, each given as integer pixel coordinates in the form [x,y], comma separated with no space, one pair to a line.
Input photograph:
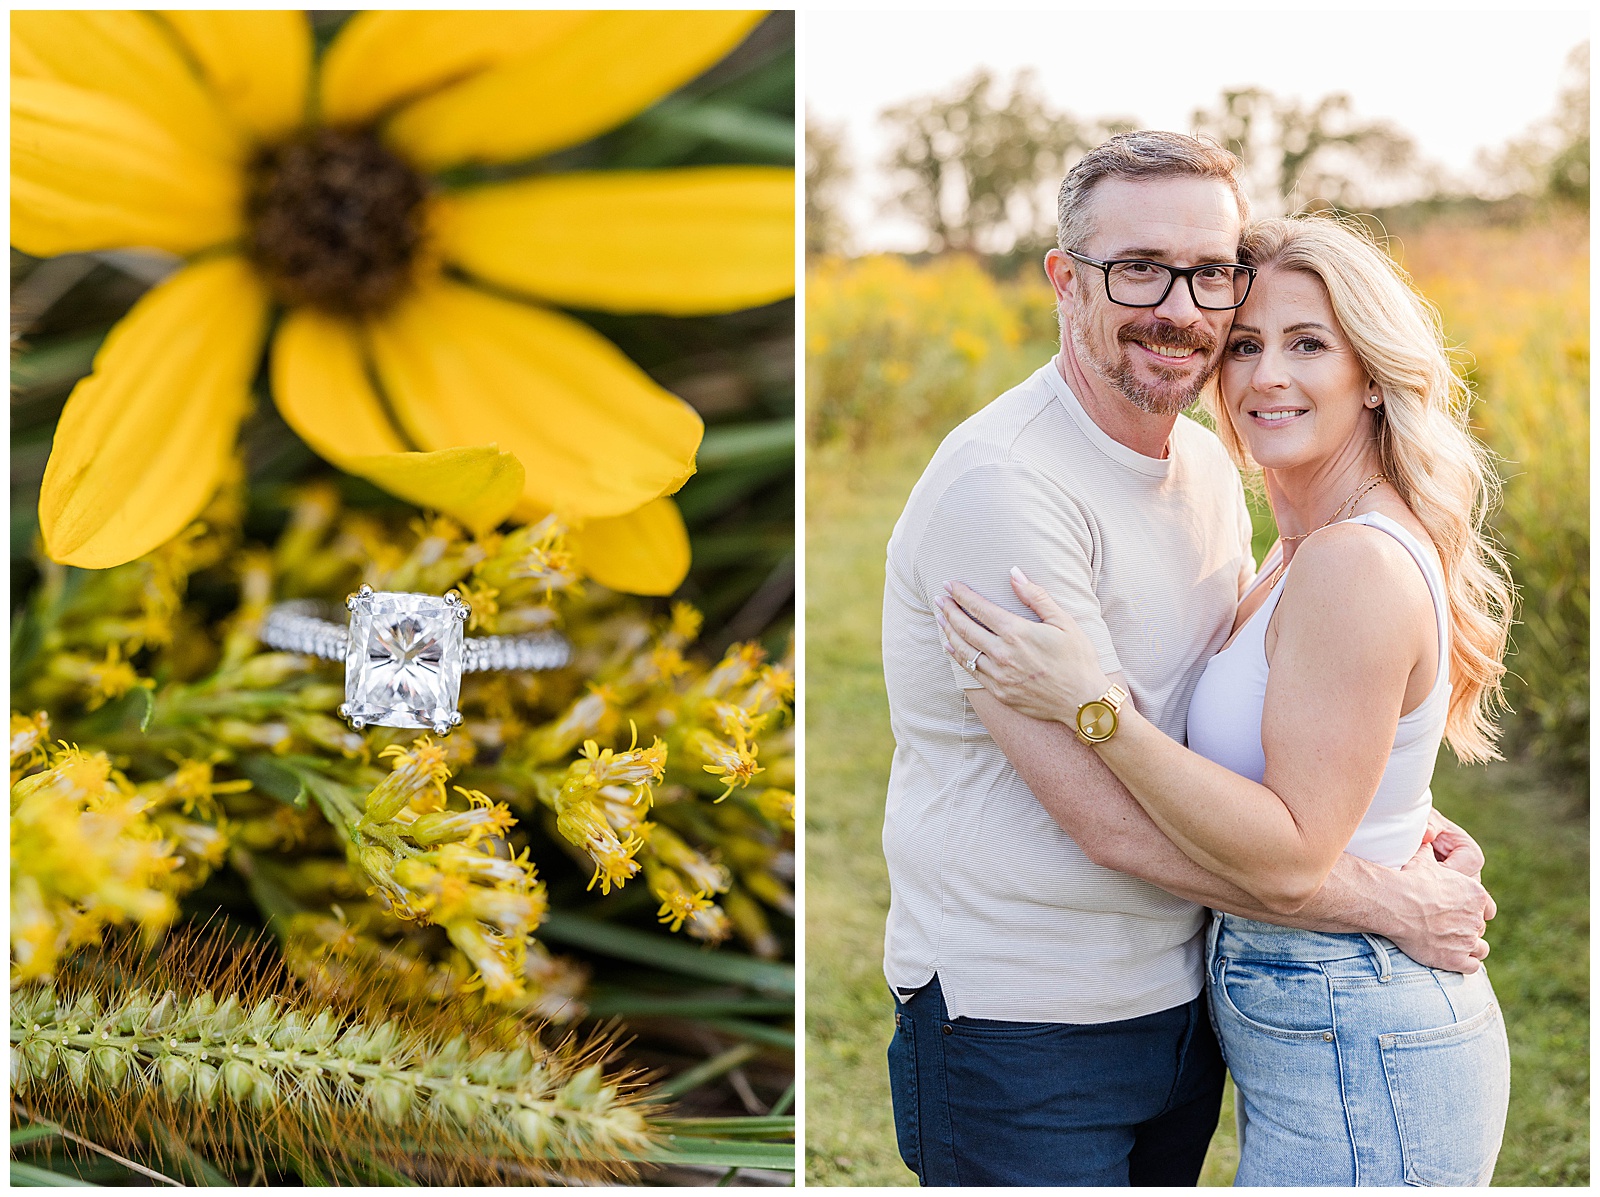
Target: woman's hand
[1045,670]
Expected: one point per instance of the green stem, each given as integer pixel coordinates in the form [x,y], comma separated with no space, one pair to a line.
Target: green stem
[719,1065]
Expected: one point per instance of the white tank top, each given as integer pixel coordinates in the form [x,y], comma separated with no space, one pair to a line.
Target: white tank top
[1225,719]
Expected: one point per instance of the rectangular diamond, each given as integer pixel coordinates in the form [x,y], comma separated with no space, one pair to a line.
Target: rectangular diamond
[403,664]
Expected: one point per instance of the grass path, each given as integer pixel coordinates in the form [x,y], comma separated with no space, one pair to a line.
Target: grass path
[1536,837]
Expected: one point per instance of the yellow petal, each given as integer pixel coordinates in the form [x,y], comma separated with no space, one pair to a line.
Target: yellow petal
[322,389]
[89,171]
[380,59]
[643,552]
[477,485]
[143,441]
[258,63]
[706,239]
[603,71]
[596,436]
[129,56]
[323,392]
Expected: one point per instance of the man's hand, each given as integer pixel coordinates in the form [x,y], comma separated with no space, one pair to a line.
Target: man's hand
[1442,911]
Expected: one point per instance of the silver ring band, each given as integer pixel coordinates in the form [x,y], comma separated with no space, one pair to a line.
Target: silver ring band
[300,626]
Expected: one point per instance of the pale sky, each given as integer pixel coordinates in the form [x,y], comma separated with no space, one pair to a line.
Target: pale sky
[1457,82]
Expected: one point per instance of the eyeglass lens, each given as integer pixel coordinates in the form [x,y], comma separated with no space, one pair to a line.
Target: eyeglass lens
[1144,284]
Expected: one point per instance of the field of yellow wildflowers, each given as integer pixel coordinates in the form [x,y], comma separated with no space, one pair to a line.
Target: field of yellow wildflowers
[1516,299]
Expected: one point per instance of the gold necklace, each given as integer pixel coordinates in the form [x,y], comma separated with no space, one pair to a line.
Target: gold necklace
[1347,507]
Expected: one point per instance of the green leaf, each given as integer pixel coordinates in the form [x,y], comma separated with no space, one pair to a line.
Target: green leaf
[606,1005]
[745,444]
[783,1103]
[759,1127]
[709,495]
[704,1073]
[28,1176]
[756,1032]
[32,1132]
[644,947]
[273,777]
[718,1153]
[744,130]
[669,133]
[767,85]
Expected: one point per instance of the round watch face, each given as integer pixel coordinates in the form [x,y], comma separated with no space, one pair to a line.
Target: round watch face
[1097,720]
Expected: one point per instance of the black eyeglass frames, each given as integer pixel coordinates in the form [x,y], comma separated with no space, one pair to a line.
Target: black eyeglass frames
[1134,283]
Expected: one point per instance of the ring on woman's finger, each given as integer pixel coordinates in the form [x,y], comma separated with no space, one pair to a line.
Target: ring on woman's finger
[972,665]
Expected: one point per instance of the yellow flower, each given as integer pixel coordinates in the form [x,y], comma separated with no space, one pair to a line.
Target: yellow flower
[29,745]
[313,185]
[84,853]
[417,781]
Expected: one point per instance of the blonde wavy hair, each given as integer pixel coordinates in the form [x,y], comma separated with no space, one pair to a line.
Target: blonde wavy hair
[1442,472]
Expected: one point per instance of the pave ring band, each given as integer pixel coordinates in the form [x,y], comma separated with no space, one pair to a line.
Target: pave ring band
[404,654]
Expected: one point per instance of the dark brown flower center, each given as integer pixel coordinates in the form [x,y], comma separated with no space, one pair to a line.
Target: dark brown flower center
[335,220]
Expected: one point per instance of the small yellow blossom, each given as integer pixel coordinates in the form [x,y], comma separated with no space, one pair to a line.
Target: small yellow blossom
[84,853]
[678,903]
[483,818]
[191,786]
[29,737]
[585,825]
[417,781]
[103,680]
[733,764]
[703,874]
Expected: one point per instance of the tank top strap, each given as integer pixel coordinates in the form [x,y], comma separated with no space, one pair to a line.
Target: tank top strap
[1431,574]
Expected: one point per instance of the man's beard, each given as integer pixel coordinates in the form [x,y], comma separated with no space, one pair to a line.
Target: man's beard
[1117,371]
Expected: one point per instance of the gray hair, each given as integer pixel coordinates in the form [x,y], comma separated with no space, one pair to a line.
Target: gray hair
[1144,154]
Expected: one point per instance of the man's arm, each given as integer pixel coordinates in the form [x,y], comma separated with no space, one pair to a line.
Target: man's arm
[1435,914]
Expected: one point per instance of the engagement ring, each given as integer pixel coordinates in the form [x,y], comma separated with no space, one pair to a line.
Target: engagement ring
[972,665]
[404,654]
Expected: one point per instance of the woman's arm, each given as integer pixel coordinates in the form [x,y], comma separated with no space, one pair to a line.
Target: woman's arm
[1348,636]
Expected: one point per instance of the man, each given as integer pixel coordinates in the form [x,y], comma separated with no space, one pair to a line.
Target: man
[1044,939]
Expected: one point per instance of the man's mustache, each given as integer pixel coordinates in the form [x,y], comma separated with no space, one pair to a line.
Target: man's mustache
[1168,337]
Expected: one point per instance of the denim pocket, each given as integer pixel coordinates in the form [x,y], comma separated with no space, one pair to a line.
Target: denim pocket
[903,1092]
[1285,999]
[1450,1087]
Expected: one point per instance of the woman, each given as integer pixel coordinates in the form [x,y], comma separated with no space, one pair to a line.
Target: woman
[1374,629]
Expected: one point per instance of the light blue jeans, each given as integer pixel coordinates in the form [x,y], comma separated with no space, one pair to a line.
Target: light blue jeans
[1354,1064]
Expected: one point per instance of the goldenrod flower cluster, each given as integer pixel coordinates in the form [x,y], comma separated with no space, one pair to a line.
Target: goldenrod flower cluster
[639,761]
[88,848]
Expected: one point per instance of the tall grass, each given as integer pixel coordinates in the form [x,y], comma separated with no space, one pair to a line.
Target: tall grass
[892,347]
[1517,301]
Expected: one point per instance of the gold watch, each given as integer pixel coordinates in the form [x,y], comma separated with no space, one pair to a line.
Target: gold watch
[1097,718]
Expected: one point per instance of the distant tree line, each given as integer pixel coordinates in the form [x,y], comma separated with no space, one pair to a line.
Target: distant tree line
[975,167]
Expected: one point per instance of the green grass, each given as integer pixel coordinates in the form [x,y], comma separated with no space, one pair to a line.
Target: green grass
[1536,835]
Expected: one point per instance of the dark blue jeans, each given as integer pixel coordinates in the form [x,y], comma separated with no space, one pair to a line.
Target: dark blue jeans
[980,1102]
